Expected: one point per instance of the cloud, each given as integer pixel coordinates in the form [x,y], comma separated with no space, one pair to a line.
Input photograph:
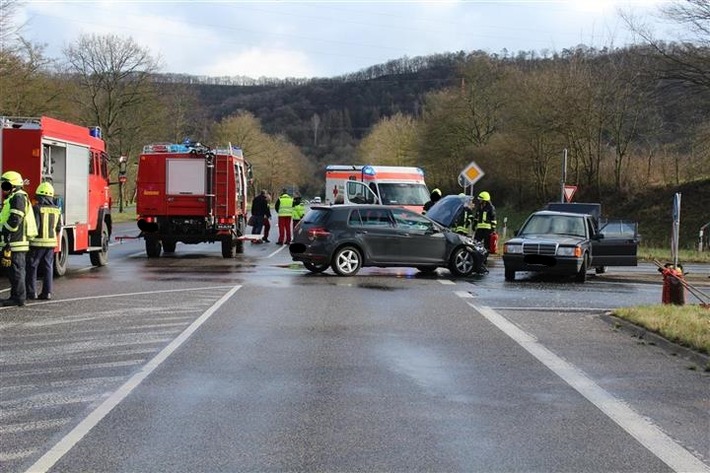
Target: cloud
[259,62]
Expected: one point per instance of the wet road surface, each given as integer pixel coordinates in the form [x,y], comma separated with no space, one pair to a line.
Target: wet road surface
[195,363]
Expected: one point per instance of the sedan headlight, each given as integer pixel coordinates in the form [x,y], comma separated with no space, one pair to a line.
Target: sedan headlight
[514,249]
[569,251]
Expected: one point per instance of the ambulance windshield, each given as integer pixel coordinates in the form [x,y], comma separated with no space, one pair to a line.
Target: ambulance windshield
[403,193]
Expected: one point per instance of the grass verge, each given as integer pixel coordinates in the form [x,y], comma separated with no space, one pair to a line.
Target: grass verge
[128,215]
[687,325]
[664,255]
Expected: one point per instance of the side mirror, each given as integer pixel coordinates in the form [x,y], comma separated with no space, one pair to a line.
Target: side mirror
[598,236]
[515,233]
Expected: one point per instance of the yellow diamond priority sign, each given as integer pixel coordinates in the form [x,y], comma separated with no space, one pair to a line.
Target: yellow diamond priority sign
[472,173]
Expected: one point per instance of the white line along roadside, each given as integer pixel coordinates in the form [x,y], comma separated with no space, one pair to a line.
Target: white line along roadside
[49,459]
[643,430]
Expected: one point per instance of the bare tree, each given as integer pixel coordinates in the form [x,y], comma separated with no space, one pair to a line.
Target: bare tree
[113,82]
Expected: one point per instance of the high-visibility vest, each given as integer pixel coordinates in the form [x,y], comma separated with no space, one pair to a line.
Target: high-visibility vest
[485,218]
[49,219]
[298,211]
[285,206]
[18,238]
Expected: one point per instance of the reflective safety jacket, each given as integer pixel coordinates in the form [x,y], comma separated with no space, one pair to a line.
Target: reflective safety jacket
[284,206]
[486,217]
[17,220]
[299,211]
[49,223]
[464,222]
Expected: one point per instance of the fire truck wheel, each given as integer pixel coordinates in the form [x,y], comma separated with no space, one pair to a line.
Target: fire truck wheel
[152,247]
[228,248]
[61,256]
[169,246]
[100,258]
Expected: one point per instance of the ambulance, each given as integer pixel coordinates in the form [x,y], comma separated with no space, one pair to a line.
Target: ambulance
[367,184]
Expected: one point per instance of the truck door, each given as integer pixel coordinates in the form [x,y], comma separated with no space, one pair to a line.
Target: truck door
[358,193]
[618,245]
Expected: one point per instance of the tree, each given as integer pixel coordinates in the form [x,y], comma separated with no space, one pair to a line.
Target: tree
[391,142]
[26,86]
[112,79]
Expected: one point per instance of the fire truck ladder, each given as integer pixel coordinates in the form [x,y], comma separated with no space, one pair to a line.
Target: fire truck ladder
[221,173]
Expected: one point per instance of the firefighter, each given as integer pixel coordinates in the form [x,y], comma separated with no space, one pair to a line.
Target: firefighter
[41,255]
[434,197]
[284,210]
[465,221]
[299,210]
[485,219]
[18,225]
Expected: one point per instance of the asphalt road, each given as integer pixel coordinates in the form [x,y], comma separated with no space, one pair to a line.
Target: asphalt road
[194,363]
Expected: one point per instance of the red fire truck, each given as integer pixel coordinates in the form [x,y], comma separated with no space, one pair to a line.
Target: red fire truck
[73,158]
[192,194]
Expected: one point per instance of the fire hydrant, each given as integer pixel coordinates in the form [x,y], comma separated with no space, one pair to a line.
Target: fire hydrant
[673,287]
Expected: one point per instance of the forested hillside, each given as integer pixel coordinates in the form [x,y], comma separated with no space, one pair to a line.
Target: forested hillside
[634,122]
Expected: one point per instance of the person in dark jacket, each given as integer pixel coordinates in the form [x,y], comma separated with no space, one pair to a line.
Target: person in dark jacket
[259,211]
[434,197]
[41,255]
[485,219]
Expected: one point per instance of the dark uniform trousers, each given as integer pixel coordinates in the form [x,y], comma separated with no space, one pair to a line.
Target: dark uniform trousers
[40,259]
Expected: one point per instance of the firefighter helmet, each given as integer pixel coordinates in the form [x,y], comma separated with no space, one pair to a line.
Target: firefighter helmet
[45,189]
[484,196]
[436,192]
[13,178]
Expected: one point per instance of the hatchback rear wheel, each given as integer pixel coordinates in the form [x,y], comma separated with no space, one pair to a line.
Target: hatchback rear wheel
[346,261]
[463,262]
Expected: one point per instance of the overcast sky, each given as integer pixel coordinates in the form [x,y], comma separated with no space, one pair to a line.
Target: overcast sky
[328,38]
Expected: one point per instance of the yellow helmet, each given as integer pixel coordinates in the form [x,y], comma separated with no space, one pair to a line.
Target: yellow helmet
[13,178]
[45,189]
[485,196]
[436,192]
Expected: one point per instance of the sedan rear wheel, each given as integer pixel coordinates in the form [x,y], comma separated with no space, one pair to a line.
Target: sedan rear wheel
[463,262]
[346,261]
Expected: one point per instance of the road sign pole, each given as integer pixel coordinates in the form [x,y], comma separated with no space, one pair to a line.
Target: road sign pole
[564,176]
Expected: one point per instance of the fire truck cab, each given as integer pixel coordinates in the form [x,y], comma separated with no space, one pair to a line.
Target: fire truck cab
[192,194]
[73,159]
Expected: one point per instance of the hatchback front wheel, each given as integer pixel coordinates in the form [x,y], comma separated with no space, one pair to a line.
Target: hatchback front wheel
[463,262]
[346,261]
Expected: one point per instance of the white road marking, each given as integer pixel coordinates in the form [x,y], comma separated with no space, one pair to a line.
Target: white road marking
[19,455]
[34,426]
[640,428]
[49,459]
[464,294]
[273,253]
[446,282]
[558,309]
[127,294]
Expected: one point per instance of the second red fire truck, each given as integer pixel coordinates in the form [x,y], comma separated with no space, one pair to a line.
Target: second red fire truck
[192,194]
